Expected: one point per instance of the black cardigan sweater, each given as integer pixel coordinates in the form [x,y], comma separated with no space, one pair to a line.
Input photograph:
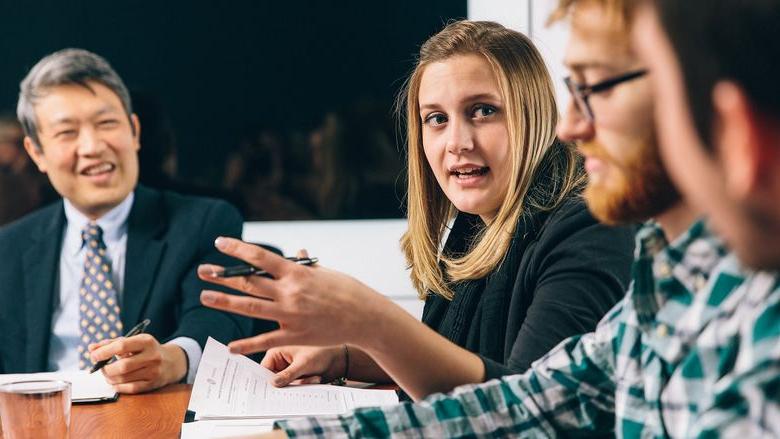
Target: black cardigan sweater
[561,275]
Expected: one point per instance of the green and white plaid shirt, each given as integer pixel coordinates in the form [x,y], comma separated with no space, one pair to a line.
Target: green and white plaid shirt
[692,350]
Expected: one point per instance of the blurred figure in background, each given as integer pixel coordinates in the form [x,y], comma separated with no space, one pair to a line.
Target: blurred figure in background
[158,158]
[356,164]
[257,174]
[348,166]
[13,159]
[22,188]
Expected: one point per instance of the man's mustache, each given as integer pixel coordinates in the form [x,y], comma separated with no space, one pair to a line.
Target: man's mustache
[594,149]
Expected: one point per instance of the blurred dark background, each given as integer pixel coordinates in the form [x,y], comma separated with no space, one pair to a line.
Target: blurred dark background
[284,108]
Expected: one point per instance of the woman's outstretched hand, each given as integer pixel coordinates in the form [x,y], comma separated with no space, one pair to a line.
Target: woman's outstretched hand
[313,305]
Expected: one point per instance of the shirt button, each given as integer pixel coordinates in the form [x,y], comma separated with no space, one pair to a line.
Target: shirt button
[664,270]
[662,330]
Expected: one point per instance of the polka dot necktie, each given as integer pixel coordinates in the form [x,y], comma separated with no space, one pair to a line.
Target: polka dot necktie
[98,307]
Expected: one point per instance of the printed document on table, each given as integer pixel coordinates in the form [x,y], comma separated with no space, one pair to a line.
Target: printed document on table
[226,429]
[230,386]
[85,387]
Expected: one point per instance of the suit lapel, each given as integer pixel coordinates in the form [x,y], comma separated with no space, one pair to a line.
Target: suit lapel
[40,271]
[145,248]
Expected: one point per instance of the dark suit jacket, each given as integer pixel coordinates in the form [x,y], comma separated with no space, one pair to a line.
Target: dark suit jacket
[168,236]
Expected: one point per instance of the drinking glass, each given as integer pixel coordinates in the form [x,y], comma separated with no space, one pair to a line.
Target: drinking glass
[35,409]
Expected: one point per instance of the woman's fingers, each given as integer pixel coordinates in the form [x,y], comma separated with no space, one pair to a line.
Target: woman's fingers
[278,359]
[314,379]
[257,286]
[302,253]
[297,369]
[245,306]
[312,306]
[253,255]
[262,342]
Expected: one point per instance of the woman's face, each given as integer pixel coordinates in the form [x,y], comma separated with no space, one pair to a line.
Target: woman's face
[464,133]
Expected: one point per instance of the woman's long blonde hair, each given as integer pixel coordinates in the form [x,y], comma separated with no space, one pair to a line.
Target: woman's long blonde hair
[529,99]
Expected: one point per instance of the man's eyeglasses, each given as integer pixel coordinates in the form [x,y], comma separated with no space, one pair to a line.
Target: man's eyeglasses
[581,93]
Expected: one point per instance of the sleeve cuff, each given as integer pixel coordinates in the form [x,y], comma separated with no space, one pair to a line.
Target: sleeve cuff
[494,369]
[317,427]
[193,352]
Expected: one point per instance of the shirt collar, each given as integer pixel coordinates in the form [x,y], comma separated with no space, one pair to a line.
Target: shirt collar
[113,223]
[689,259]
[678,269]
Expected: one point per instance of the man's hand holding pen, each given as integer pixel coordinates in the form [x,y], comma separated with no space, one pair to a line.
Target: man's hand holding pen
[143,363]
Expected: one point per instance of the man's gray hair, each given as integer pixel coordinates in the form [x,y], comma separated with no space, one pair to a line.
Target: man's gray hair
[66,67]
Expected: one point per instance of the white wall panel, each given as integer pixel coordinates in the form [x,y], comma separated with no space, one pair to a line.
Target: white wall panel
[366,249]
[551,41]
[530,17]
[511,13]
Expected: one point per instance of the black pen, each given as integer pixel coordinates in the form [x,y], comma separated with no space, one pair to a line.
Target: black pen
[137,329]
[246,270]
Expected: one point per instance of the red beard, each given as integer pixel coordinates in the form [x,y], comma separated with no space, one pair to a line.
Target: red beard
[638,187]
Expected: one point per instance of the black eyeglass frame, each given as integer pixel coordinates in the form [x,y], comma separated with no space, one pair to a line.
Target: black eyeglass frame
[581,92]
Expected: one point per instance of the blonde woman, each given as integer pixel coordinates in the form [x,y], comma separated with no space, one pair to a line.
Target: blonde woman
[524,264]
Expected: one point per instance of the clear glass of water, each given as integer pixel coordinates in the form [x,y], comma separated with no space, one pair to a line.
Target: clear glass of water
[35,409]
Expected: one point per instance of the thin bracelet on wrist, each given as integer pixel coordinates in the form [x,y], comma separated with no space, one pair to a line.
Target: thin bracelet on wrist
[343,379]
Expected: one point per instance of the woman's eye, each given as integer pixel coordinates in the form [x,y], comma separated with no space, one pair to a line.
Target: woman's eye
[481,111]
[435,119]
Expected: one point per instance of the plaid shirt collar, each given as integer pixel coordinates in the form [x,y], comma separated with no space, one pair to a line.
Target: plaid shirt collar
[673,296]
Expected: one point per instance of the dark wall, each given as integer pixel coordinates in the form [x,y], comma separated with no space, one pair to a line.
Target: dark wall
[221,68]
